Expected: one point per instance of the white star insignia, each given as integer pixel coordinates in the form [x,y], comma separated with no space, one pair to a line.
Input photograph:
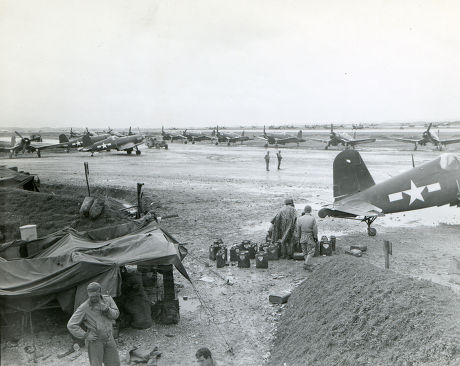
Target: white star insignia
[414,192]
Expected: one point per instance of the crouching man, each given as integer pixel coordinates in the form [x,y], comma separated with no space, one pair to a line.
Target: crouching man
[97,315]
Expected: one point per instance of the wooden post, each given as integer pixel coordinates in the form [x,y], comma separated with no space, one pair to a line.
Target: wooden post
[387,250]
[139,200]
[86,175]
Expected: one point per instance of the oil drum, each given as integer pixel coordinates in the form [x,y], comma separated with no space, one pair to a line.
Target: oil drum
[261,260]
[243,260]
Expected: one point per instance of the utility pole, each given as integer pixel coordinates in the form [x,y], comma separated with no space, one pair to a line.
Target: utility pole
[387,250]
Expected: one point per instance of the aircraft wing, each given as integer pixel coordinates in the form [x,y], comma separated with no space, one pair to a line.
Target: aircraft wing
[262,138]
[361,141]
[407,140]
[447,142]
[129,145]
[318,140]
[39,146]
[355,207]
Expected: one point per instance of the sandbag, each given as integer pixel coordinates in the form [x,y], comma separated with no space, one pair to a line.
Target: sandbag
[135,301]
[96,208]
[86,206]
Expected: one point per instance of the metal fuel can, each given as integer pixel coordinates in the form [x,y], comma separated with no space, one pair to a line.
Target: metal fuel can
[243,260]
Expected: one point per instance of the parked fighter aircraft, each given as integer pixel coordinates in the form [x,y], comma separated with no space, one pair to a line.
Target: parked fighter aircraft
[434,183]
[281,138]
[343,139]
[25,144]
[228,137]
[195,136]
[75,143]
[431,137]
[124,143]
[171,136]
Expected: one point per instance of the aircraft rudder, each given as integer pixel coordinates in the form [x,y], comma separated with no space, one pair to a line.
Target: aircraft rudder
[350,174]
[63,138]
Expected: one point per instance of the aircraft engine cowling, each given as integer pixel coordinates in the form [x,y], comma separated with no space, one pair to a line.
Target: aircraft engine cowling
[324,212]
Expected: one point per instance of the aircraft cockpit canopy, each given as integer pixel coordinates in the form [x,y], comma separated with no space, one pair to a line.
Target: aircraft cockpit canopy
[449,162]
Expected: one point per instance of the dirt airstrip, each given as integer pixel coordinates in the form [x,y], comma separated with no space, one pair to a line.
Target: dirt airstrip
[225,192]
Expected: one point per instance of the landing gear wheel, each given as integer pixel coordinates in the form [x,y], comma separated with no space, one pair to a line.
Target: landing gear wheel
[166,146]
[138,152]
[193,142]
[266,145]
[228,143]
[129,152]
[185,141]
[276,146]
[371,231]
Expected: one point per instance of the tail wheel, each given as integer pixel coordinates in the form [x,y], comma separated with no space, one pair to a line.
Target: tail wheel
[371,231]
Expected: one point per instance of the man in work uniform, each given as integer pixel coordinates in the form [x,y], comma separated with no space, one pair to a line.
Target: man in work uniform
[97,315]
[204,357]
[267,160]
[307,232]
[284,228]
[279,157]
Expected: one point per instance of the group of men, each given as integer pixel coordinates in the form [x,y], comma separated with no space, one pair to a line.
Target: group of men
[290,231]
[267,160]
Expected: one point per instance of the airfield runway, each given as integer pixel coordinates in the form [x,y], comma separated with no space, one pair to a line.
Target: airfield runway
[225,192]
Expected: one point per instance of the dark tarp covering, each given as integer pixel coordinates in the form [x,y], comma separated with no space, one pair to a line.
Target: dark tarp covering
[13,179]
[63,270]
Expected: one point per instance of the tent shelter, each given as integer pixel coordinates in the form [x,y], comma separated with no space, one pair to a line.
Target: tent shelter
[63,270]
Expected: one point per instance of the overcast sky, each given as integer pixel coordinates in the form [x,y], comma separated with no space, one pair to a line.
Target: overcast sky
[200,62]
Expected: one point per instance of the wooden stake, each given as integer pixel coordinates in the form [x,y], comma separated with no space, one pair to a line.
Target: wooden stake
[387,250]
[86,175]
[139,200]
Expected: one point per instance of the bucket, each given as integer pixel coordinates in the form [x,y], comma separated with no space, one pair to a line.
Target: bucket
[261,260]
[28,232]
[243,260]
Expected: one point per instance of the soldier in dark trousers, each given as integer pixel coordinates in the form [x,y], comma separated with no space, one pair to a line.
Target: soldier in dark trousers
[267,160]
[97,315]
[279,157]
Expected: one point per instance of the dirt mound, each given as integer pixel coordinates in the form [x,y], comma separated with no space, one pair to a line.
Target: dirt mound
[50,212]
[351,313]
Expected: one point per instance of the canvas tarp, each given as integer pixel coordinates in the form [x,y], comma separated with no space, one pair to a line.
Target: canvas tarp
[12,179]
[63,270]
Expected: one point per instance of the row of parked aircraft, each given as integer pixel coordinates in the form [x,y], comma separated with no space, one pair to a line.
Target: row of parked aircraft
[108,140]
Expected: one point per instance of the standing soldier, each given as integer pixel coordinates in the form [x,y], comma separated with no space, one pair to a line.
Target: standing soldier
[307,232]
[284,228]
[278,155]
[267,160]
[97,315]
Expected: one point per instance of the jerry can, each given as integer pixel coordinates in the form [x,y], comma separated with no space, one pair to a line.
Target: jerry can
[273,252]
[213,249]
[234,251]
[261,260]
[250,247]
[221,257]
[325,247]
[243,260]
[333,240]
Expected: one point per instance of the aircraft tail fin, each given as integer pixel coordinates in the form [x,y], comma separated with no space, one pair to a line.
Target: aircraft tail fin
[63,138]
[350,174]
[299,134]
[87,140]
